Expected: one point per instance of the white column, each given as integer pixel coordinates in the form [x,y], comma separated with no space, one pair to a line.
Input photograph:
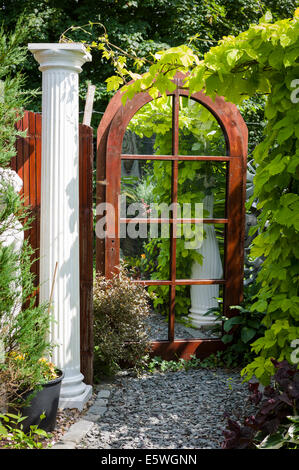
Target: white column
[60,65]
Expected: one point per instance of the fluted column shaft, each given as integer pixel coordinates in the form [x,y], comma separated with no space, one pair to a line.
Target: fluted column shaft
[59,236]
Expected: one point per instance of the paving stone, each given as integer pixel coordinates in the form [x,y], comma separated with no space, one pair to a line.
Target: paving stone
[97,408]
[74,435]
[95,414]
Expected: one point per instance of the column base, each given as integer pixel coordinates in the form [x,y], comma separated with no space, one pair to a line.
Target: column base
[202,321]
[76,401]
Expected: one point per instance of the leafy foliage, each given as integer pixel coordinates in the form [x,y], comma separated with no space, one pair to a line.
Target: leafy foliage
[140,27]
[11,97]
[24,333]
[120,308]
[261,60]
[157,364]
[276,423]
[13,436]
[240,330]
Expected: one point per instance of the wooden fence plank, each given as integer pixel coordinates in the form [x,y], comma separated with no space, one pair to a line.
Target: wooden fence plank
[86,251]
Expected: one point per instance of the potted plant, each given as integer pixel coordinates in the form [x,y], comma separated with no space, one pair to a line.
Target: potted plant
[38,398]
[30,384]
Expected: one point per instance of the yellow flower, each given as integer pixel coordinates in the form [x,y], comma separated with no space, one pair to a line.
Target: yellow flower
[17,356]
[48,368]
[143,256]
[43,359]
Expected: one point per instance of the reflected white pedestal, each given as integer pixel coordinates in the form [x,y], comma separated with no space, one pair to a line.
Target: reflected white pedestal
[205,297]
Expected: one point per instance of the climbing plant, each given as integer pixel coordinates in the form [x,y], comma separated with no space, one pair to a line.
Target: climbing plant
[140,27]
[260,61]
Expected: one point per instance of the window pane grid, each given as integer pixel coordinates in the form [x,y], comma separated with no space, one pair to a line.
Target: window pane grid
[174,220]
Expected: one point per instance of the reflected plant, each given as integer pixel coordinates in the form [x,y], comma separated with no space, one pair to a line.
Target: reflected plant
[200,134]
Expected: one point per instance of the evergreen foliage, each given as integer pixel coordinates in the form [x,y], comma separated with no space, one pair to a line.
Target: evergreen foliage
[23,333]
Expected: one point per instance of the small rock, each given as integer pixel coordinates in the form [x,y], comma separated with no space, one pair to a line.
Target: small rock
[104,394]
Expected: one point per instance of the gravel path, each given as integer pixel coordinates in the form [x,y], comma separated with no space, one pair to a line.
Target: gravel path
[157,329]
[173,410]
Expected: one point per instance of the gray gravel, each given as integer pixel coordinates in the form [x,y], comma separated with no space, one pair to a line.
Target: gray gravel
[173,410]
[157,329]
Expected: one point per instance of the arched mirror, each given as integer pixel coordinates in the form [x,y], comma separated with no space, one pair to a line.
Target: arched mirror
[175,175]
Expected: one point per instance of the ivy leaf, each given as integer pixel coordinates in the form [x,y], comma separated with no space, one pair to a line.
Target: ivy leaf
[114,82]
[270,110]
[284,216]
[259,306]
[284,134]
[277,165]
[285,40]
[232,56]
[231,322]
[276,58]
[212,84]
[290,56]
[247,334]
[227,339]
[267,18]
[163,84]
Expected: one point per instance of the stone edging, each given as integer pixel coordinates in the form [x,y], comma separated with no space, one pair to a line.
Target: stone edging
[78,431]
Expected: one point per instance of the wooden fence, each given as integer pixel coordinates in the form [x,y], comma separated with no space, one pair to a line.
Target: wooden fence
[27,163]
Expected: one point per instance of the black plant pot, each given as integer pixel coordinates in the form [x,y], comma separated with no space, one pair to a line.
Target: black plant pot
[44,401]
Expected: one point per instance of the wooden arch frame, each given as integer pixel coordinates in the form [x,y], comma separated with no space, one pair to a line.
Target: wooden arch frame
[109,154]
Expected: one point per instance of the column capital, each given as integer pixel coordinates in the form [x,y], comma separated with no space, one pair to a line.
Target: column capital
[60,56]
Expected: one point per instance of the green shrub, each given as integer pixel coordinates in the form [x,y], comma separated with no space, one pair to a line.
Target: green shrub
[120,308]
[240,330]
[24,333]
[157,364]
